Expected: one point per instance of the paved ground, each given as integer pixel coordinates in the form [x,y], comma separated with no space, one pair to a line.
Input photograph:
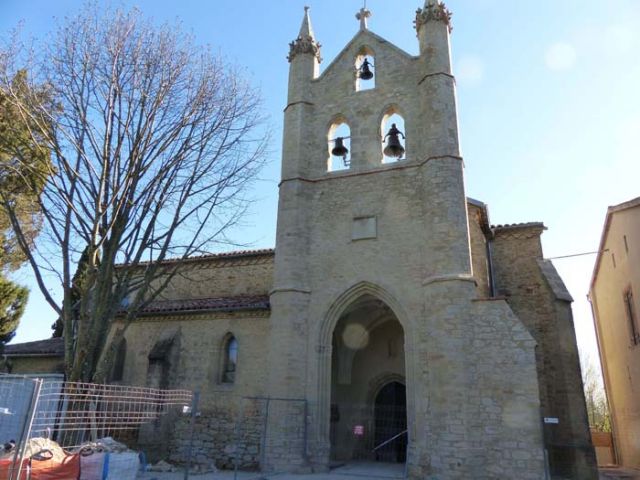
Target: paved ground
[352,471]
[619,474]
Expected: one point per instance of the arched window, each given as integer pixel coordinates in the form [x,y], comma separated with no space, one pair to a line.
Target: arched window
[365,70]
[117,371]
[393,138]
[230,359]
[339,145]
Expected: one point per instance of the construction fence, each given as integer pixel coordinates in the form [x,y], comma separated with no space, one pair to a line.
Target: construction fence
[51,429]
[57,430]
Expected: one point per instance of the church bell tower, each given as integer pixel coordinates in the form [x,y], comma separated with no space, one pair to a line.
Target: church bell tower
[373,238]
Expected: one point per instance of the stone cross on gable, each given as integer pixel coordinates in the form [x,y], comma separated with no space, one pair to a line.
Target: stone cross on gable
[363,15]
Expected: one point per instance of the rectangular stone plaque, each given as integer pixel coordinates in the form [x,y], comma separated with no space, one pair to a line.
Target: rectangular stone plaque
[364,227]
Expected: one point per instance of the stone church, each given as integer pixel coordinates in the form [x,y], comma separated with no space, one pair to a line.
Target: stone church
[392,322]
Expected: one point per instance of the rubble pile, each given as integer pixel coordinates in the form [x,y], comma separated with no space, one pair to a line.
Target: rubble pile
[106,444]
[40,448]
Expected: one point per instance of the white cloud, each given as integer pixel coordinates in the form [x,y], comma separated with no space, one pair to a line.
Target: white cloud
[469,70]
[560,56]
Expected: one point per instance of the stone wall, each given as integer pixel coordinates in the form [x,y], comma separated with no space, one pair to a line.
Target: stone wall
[222,276]
[536,294]
[502,415]
[199,360]
[478,244]
[227,436]
[478,390]
[196,364]
[32,365]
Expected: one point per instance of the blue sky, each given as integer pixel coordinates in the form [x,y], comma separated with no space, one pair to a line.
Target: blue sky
[549,108]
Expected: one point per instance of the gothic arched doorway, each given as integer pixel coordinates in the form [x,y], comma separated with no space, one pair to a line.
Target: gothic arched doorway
[367,346]
[390,420]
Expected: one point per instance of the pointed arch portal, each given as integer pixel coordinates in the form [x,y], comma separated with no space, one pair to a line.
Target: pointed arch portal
[368,415]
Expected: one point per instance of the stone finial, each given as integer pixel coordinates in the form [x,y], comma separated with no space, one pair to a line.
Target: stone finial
[433,10]
[363,15]
[306,28]
[306,41]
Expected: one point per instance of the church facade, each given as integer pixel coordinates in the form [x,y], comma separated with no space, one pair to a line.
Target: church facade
[392,322]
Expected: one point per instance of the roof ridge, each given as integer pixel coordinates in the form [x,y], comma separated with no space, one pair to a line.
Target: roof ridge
[518,225]
[217,297]
[212,256]
[634,202]
[46,346]
[220,303]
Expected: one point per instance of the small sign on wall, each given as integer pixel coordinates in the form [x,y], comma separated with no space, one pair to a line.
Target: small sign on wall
[358,430]
[552,420]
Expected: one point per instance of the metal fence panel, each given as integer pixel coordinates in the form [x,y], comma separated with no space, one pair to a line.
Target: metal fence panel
[16,393]
[62,428]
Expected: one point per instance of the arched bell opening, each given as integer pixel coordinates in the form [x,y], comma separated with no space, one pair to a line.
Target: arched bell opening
[365,69]
[392,132]
[339,145]
[368,418]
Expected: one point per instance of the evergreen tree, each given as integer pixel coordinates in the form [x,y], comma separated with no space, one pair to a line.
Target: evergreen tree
[13,300]
[24,166]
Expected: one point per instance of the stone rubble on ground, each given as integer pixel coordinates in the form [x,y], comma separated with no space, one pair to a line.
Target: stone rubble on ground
[161,466]
[106,444]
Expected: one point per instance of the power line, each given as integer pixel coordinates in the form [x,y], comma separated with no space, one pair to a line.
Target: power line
[577,254]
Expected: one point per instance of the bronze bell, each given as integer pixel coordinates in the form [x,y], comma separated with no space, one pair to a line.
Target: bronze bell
[394,148]
[364,72]
[340,150]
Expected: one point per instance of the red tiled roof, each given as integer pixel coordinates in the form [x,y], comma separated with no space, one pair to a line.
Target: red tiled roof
[217,304]
[518,225]
[53,347]
[214,256]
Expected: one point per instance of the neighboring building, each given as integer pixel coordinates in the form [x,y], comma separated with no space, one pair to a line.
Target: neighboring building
[615,301]
[389,304]
[41,356]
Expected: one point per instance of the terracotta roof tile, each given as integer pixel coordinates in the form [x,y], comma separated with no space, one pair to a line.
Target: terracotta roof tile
[518,225]
[51,346]
[214,256]
[217,304]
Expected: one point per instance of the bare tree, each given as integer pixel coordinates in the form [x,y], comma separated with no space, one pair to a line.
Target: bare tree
[153,143]
[595,397]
